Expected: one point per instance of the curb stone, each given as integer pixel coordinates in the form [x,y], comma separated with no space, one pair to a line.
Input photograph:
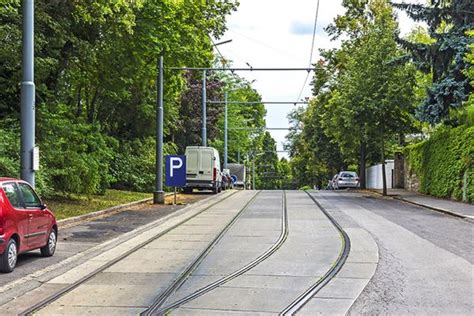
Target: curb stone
[23,285]
[73,220]
[440,210]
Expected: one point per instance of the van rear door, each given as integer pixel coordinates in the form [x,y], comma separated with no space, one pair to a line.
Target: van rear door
[207,163]
[192,163]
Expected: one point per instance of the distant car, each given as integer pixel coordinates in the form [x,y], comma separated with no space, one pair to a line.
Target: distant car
[346,179]
[25,223]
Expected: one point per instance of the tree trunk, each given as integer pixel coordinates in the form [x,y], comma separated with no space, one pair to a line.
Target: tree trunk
[363,154]
[384,176]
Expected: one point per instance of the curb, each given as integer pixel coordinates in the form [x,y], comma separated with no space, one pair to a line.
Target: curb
[447,212]
[73,220]
[41,276]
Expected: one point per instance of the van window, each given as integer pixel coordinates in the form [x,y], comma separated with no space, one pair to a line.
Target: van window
[29,196]
[12,193]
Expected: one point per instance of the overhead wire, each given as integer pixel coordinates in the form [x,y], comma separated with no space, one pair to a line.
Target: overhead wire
[312,51]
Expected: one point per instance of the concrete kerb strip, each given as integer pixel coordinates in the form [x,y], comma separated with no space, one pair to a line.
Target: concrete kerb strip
[114,209]
[337,297]
[441,210]
[40,276]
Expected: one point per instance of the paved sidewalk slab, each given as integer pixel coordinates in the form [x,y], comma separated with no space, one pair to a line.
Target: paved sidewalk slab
[460,209]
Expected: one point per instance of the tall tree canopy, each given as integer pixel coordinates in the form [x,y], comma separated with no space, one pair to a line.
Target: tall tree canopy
[448,22]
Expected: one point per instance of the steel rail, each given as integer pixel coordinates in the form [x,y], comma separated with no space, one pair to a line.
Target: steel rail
[151,310]
[239,272]
[50,299]
[301,300]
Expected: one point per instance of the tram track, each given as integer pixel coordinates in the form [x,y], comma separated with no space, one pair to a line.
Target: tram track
[306,296]
[157,309]
[159,306]
[156,304]
[54,297]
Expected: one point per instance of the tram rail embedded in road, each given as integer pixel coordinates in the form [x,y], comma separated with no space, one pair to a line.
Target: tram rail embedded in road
[157,303]
[304,298]
[211,286]
[52,298]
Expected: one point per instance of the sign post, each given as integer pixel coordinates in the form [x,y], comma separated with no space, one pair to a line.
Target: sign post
[175,172]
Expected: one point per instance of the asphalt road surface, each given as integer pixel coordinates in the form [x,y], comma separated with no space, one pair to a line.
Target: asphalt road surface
[252,252]
[426,258]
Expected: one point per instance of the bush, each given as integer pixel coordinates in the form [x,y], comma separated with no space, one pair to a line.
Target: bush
[9,152]
[75,156]
[442,162]
[133,167]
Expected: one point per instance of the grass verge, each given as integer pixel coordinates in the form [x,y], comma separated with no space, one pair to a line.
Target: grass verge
[75,205]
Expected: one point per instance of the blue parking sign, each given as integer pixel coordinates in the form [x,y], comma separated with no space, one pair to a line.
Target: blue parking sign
[175,170]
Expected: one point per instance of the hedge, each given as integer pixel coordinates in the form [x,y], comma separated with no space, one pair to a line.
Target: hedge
[444,162]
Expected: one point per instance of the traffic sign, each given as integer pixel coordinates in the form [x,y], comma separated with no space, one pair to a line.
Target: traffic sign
[175,170]
[234,178]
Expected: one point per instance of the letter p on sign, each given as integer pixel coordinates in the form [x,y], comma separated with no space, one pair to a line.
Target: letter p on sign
[175,171]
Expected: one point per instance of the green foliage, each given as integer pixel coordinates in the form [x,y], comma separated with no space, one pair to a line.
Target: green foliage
[133,166]
[95,73]
[9,151]
[441,162]
[75,156]
[363,96]
[447,22]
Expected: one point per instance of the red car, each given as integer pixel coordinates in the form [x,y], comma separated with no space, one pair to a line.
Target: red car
[25,223]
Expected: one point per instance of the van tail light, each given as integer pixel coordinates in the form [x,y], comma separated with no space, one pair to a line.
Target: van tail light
[214,174]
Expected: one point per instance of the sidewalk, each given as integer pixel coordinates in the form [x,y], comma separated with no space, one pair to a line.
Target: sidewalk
[459,209]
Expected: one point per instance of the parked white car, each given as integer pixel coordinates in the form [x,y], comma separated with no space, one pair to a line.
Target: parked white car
[203,169]
[346,179]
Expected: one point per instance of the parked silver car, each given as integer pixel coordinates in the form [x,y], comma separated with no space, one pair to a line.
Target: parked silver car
[346,179]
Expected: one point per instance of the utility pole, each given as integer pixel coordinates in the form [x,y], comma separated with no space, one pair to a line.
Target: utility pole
[225,130]
[253,174]
[28,95]
[204,110]
[159,194]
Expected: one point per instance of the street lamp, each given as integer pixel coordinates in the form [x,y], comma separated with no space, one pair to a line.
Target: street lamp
[28,96]
[204,97]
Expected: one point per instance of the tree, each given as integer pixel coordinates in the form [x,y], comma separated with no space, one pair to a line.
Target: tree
[374,97]
[448,22]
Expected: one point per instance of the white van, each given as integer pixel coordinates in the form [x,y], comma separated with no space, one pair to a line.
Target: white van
[203,168]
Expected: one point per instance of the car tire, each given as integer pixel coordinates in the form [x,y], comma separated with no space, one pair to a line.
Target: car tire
[9,257]
[49,249]
[188,190]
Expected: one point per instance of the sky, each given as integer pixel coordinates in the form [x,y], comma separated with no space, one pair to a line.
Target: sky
[278,34]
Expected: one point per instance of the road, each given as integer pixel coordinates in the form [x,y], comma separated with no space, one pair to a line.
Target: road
[273,252]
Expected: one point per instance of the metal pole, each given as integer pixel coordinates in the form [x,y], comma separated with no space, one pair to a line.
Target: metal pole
[28,95]
[225,131]
[238,156]
[159,194]
[204,117]
[253,173]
